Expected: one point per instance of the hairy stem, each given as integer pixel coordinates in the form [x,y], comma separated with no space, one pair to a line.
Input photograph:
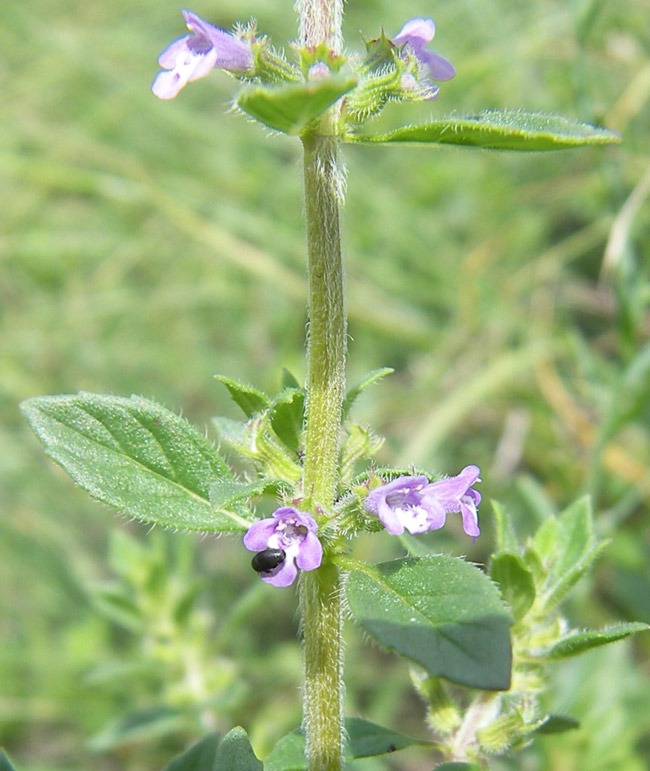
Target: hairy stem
[320,590]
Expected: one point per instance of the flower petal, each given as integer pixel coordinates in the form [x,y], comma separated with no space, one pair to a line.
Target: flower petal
[285,576]
[418,32]
[310,553]
[258,536]
[439,67]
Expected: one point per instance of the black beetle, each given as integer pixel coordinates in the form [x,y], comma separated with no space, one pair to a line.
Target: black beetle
[265,561]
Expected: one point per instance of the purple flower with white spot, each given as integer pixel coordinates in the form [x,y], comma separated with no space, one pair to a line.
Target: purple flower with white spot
[413,503]
[294,532]
[414,36]
[193,56]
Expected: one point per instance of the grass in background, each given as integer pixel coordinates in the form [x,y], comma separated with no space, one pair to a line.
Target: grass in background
[146,246]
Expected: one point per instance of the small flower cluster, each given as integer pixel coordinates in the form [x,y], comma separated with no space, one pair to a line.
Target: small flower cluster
[412,66]
[413,503]
[288,540]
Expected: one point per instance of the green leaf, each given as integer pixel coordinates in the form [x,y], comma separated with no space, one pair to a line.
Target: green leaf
[287,417]
[289,380]
[557,724]
[506,537]
[584,641]
[224,494]
[134,455]
[245,396]
[369,379]
[5,763]
[236,754]
[137,726]
[365,739]
[457,765]
[571,545]
[498,130]
[199,757]
[515,581]
[438,611]
[291,108]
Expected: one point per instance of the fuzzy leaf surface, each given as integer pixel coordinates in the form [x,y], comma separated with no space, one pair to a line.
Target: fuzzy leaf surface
[372,377]
[249,399]
[365,739]
[584,641]
[438,611]
[497,130]
[136,456]
[291,108]
[235,753]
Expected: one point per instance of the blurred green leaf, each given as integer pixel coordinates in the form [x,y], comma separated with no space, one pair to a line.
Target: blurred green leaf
[5,763]
[570,544]
[515,582]
[456,765]
[245,396]
[365,739]
[134,455]
[114,602]
[506,538]
[498,130]
[368,380]
[440,612]
[138,725]
[287,415]
[584,641]
[557,724]
[293,107]
[235,753]
[199,757]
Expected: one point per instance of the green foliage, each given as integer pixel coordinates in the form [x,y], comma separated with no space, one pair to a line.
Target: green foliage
[292,108]
[584,641]
[353,394]
[365,740]
[143,252]
[136,456]
[213,753]
[199,757]
[245,396]
[5,763]
[440,612]
[497,130]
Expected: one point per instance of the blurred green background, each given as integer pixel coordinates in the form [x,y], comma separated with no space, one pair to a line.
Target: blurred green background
[146,246]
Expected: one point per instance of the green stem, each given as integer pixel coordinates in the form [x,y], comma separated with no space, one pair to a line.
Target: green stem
[320,603]
[320,590]
[327,326]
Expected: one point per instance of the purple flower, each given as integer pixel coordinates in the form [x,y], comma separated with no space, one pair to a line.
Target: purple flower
[193,56]
[414,36]
[292,531]
[417,505]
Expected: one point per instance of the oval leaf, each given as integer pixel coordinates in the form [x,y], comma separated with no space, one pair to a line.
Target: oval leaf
[293,107]
[365,739]
[440,612]
[136,456]
[498,130]
[584,641]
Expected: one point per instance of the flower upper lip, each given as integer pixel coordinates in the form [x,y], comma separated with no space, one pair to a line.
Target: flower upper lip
[193,56]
